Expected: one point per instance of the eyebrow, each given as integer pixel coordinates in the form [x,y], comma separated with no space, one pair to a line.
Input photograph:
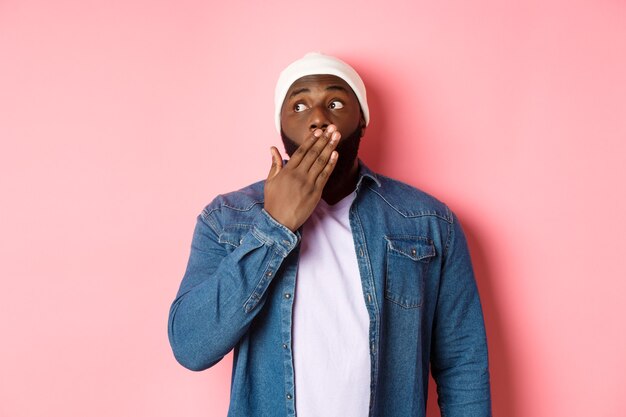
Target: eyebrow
[336,87]
[306,90]
[298,91]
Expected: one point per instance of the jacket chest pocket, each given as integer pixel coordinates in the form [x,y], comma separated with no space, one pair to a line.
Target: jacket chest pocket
[408,260]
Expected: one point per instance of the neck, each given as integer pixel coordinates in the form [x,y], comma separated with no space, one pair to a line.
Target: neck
[337,190]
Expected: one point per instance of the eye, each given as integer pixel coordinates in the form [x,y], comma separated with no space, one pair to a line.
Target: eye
[336,104]
[299,107]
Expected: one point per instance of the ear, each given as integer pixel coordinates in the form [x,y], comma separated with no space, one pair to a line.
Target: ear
[362,125]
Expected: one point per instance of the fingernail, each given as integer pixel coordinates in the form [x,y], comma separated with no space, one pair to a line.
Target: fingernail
[317,133]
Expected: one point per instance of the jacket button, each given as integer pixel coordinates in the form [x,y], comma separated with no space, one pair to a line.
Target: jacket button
[413,252]
[284,346]
[287,295]
[288,396]
[269,273]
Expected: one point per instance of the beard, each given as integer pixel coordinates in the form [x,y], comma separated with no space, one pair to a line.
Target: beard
[347,148]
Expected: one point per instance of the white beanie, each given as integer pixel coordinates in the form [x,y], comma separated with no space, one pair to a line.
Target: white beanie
[317,63]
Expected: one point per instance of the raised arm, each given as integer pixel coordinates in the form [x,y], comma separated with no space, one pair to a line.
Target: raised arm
[222,292]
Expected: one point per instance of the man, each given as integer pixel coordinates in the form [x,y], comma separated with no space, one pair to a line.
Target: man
[336,286]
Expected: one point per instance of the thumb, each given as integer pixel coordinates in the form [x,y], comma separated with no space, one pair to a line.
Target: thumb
[277,162]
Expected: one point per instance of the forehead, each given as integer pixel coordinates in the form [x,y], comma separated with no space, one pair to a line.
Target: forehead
[318,81]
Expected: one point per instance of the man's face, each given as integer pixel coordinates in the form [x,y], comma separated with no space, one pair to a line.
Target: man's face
[317,101]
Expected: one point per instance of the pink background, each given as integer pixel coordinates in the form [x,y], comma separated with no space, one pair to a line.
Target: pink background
[120,120]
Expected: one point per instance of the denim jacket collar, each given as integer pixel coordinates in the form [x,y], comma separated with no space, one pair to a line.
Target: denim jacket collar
[365,171]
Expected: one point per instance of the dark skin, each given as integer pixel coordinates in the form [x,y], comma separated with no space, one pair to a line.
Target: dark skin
[316,110]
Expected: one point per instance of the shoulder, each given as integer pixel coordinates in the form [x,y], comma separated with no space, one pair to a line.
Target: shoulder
[408,200]
[241,200]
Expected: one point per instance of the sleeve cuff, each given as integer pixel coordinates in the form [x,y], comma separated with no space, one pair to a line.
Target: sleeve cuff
[272,233]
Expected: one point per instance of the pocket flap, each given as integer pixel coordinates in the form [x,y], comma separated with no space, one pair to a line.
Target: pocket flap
[414,247]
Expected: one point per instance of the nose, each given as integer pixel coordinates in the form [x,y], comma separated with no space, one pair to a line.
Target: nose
[319,118]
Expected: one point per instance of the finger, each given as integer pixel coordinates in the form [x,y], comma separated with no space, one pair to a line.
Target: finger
[322,178]
[296,158]
[277,162]
[322,159]
[316,150]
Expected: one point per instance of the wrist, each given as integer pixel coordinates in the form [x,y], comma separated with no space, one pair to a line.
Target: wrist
[278,218]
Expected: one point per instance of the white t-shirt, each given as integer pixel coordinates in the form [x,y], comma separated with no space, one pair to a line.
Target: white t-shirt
[330,320]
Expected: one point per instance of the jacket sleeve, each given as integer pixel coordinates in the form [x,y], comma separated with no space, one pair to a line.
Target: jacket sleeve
[222,291]
[459,360]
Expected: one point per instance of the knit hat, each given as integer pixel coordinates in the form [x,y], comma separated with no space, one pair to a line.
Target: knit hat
[318,63]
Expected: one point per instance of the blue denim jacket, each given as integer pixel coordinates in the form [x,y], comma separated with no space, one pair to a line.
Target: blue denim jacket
[418,286]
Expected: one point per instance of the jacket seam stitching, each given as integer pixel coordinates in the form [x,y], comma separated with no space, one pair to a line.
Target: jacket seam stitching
[450,233]
[257,287]
[410,215]
[209,222]
[376,310]
[209,212]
